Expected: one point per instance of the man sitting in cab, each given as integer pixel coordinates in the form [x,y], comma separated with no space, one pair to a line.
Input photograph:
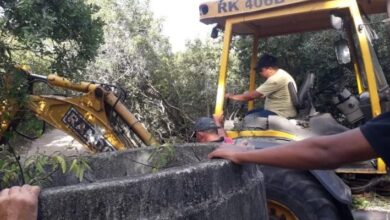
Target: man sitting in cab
[274,90]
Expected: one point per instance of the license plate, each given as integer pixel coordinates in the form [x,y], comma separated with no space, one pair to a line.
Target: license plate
[85,131]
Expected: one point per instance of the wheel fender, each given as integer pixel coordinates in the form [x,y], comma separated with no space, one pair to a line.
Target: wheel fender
[334,185]
[327,178]
[337,189]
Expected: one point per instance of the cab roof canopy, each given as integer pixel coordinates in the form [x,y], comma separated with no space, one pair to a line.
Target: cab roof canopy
[277,17]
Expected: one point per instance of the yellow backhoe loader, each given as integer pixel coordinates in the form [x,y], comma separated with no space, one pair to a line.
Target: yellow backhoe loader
[304,195]
[94,115]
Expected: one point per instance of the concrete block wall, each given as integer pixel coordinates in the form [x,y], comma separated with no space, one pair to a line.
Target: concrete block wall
[189,187]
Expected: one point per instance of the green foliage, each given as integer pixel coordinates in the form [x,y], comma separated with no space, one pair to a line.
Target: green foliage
[192,86]
[298,53]
[382,45]
[53,36]
[137,58]
[15,87]
[164,91]
[37,169]
[370,201]
[359,203]
[8,170]
[78,167]
[13,100]
[29,125]
[59,31]
[161,156]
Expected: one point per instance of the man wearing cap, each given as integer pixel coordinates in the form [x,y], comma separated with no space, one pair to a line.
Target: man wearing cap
[274,90]
[208,129]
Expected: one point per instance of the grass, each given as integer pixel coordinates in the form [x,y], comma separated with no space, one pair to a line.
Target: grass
[371,201]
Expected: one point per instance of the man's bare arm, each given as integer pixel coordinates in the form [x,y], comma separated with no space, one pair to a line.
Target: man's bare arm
[326,152]
[247,96]
[218,121]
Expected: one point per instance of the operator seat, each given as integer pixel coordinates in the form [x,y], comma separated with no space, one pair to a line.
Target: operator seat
[319,124]
[302,100]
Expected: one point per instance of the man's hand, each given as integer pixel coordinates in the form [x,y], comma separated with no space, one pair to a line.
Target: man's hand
[246,96]
[218,119]
[19,203]
[228,151]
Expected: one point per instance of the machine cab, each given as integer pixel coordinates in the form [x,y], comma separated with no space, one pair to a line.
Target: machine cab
[262,19]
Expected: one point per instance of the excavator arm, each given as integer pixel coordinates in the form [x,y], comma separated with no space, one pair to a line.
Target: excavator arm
[97,118]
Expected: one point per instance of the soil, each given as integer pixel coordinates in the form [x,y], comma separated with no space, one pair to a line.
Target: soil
[55,141]
[371,201]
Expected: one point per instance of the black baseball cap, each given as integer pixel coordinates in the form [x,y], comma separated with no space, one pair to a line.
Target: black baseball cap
[204,124]
[266,61]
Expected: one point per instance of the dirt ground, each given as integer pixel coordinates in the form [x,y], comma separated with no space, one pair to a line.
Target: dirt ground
[55,141]
[371,201]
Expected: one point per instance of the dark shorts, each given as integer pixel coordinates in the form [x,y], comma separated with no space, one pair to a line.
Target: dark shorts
[260,112]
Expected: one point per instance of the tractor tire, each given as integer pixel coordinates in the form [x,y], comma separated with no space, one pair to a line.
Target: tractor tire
[296,195]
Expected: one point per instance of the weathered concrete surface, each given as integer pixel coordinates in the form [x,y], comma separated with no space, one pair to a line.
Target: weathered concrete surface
[190,187]
[370,215]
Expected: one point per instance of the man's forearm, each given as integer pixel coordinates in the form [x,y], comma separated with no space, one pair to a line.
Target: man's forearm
[239,97]
[247,96]
[325,152]
[297,155]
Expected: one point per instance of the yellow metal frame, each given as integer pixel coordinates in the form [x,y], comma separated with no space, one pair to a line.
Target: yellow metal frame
[94,105]
[367,58]
[369,69]
[239,9]
[252,72]
[295,9]
[359,171]
[356,65]
[53,109]
[224,67]
[280,210]
[261,133]
[8,110]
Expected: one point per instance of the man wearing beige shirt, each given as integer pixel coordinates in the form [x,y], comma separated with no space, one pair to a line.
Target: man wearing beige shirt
[274,90]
